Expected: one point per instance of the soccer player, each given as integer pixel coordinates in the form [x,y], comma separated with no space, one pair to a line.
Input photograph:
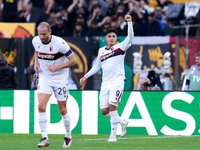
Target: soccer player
[53,58]
[111,60]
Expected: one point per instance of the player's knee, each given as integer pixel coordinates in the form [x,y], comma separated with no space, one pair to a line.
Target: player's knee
[41,108]
[63,111]
[113,106]
[104,111]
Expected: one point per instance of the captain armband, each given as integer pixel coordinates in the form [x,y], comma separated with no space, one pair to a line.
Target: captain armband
[68,53]
[187,82]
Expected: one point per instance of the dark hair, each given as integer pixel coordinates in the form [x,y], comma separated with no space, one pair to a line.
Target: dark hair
[109,30]
[95,6]
[152,14]
[197,54]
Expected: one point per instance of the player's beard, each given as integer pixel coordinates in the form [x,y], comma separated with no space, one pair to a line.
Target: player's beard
[45,40]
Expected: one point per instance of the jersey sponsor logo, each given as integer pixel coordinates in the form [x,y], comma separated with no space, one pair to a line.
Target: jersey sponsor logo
[195,78]
[103,57]
[112,54]
[47,56]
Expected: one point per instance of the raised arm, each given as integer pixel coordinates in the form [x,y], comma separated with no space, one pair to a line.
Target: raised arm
[127,42]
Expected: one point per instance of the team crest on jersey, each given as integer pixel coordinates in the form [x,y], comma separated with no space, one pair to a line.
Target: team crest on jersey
[51,48]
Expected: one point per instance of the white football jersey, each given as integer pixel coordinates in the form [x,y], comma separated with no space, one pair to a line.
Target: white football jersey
[112,60]
[53,53]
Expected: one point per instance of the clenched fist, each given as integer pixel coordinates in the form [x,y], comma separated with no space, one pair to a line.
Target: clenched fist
[128,18]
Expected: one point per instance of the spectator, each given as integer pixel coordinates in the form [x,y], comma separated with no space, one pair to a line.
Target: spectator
[91,5]
[60,28]
[105,23]
[52,19]
[194,75]
[48,6]
[79,30]
[159,13]
[120,9]
[75,5]
[8,78]
[104,6]
[45,5]
[111,7]
[9,10]
[136,25]
[31,14]
[134,8]
[146,85]
[80,18]
[96,15]
[62,4]
[107,7]
[151,27]
[164,3]
[145,7]
[95,30]
[160,17]
[165,13]
[74,11]
[114,23]
[121,30]
[35,77]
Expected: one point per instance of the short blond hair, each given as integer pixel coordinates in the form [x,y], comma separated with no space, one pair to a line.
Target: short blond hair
[44,25]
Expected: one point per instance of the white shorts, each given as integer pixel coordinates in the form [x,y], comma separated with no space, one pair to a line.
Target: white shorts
[60,90]
[111,94]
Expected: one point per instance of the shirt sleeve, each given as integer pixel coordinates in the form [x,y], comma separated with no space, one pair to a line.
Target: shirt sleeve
[33,42]
[128,40]
[95,68]
[64,48]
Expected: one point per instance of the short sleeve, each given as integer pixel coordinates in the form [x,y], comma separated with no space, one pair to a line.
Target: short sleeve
[64,48]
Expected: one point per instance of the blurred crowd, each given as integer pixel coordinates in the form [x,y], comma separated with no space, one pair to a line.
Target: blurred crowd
[92,17]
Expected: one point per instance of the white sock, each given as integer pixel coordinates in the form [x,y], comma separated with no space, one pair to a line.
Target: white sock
[42,119]
[67,122]
[107,115]
[116,117]
[114,120]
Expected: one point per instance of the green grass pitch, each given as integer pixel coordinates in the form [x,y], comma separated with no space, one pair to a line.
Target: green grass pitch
[9,141]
